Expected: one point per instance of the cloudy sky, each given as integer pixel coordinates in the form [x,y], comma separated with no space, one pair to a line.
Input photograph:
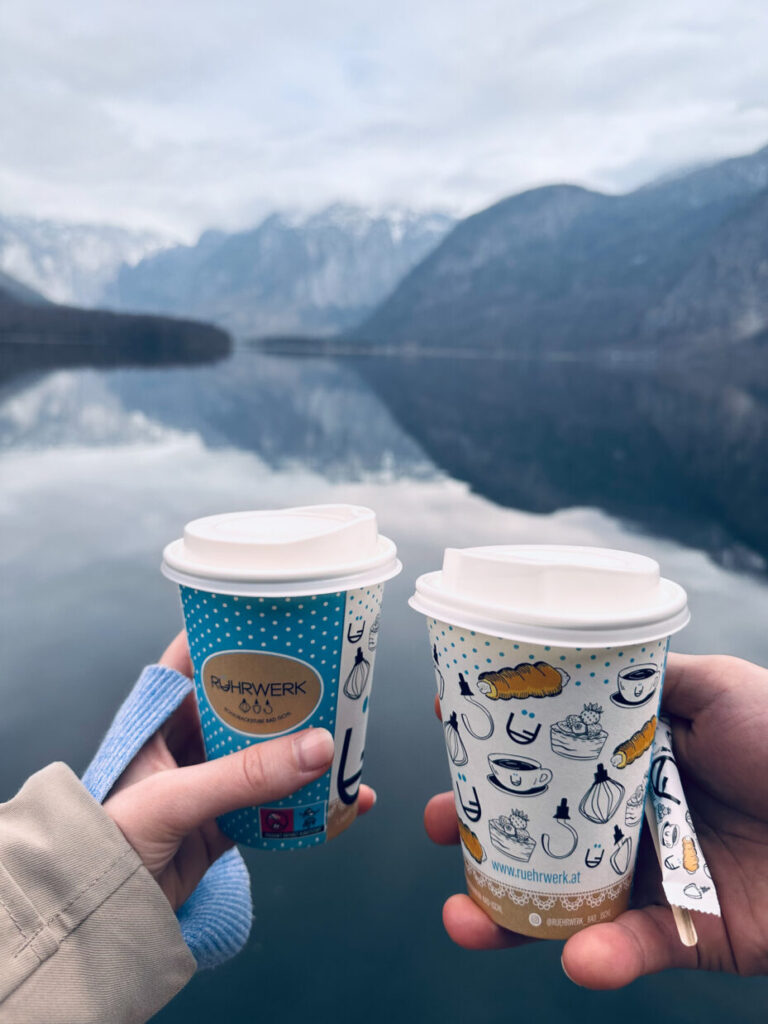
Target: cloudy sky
[181,114]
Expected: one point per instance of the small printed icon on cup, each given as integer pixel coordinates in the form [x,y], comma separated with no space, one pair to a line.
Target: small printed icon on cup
[521,775]
[534,919]
[636,685]
[669,834]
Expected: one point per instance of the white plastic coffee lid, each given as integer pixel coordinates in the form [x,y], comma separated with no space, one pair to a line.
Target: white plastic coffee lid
[310,550]
[552,594]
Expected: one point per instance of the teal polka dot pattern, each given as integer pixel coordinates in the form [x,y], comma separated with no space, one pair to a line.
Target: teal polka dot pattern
[308,628]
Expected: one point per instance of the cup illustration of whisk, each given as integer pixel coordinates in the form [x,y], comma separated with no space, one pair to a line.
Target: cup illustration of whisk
[468,695]
[438,674]
[456,749]
[357,680]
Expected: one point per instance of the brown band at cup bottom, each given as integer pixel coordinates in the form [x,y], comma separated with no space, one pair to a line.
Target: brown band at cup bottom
[340,817]
[546,915]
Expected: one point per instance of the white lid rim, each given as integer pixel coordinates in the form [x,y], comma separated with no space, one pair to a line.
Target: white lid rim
[285,587]
[429,591]
[554,636]
[174,558]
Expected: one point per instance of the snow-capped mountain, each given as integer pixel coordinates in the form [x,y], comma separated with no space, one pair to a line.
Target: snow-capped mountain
[70,263]
[312,273]
[679,263]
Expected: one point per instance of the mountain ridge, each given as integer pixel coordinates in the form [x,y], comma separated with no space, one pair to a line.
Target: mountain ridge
[563,268]
[70,262]
[39,335]
[12,291]
[311,273]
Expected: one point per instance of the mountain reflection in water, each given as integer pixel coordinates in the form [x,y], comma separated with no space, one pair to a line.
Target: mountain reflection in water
[101,469]
[678,451]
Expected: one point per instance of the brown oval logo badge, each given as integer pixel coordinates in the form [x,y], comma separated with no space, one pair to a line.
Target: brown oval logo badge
[262,694]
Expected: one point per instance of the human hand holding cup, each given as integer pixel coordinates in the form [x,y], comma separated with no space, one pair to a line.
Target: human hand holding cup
[720,724]
[166,801]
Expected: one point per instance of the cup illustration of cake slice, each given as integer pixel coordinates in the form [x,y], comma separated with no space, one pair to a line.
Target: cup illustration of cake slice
[579,737]
[509,834]
[633,809]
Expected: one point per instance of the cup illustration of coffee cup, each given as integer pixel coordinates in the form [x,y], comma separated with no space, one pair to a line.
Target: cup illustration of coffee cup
[636,685]
[669,834]
[520,775]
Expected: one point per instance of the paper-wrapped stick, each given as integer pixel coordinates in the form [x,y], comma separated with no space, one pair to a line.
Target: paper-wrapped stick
[685,876]
[686,929]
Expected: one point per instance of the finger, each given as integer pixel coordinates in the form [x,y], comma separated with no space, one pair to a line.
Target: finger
[175,802]
[195,854]
[183,733]
[438,712]
[440,820]
[694,682]
[366,800]
[177,743]
[647,889]
[153,757]
[639,942]
[176,655]
[470,928]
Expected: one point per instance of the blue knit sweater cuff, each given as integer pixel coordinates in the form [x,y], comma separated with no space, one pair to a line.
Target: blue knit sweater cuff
[216,919]
[156,695]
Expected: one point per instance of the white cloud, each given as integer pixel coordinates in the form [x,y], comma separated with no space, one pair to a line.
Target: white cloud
[185,113]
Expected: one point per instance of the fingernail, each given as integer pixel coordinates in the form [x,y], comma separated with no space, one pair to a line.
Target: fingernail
[375,796]
[313,749]
[565,970]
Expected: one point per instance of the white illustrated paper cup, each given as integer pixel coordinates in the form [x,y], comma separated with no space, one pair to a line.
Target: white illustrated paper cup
[282,610]
[549,664]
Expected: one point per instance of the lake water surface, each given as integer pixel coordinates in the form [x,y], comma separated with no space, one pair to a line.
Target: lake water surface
[101,469]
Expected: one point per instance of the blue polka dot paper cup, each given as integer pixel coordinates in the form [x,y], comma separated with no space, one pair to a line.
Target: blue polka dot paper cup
[282,611]
[549,664]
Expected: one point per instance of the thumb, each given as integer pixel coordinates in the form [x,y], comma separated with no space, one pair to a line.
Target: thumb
[613,954]
[179,800]
[694,682]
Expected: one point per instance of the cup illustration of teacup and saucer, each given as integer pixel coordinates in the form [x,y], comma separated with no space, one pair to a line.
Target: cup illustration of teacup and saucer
[637,685]
[522,776]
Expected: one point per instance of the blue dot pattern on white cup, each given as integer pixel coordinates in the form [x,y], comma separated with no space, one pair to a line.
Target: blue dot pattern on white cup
[533,732]
[310,629]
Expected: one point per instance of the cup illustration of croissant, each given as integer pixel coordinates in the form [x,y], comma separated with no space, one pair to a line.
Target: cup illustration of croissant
[524,680]
[690,856]
[637,744]
[471,843]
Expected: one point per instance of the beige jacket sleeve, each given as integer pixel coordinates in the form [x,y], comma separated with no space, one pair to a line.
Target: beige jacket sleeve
[86,934]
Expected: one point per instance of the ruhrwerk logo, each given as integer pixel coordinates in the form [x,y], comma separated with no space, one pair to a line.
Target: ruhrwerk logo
[263,694]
